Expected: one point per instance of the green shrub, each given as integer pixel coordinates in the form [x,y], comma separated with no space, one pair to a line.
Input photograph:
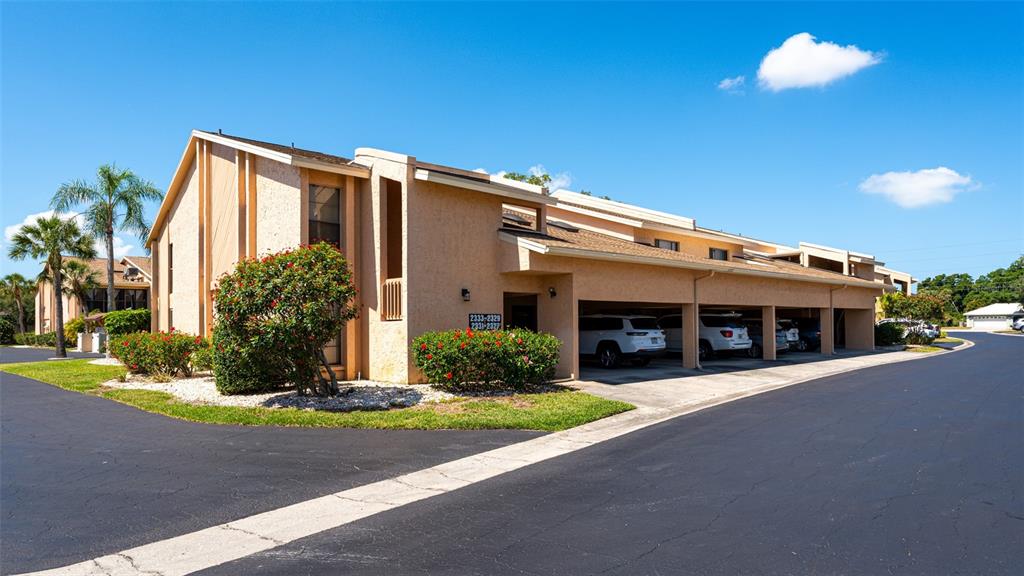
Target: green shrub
[274,316]
[917,337]
[202,357]
[71,329]
[6,331]
[467,361]
[48,339]
[888,334]
[163,354]
[127,321]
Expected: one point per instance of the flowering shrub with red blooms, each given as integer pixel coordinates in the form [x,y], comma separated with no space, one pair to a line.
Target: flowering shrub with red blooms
[169,354]
[275,314]
[468,361]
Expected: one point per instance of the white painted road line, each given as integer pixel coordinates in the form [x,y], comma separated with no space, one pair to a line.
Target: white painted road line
[240,538]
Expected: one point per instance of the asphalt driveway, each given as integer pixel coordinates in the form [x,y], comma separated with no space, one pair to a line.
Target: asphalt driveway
[83,476]
[11,354]
[909,468]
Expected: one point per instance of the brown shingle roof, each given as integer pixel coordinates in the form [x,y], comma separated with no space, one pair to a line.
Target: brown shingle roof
[99,266]
[592,241]
[311,154]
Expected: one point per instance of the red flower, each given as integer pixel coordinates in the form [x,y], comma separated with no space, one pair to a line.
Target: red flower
[448,375]
[430,356]
[423,346]
[440,345]
[519,341]
[463,345]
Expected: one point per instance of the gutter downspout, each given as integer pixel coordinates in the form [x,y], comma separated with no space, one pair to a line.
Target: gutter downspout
[696,311]
[832,315]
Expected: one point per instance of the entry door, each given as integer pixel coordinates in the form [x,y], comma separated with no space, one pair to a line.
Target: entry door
[521,311]
[326,218]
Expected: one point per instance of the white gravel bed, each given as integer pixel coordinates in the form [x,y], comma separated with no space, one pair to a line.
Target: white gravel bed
[106,362]
[361,395]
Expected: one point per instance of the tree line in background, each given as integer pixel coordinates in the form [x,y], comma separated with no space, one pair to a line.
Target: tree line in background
[947,297]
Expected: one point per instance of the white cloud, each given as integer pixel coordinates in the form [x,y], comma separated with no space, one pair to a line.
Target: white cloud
[559,181]
[915,189]
[733,85]
[802,63]
[121,248]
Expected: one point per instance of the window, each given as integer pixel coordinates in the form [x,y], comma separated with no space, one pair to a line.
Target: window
[392,233]
[170,268]
[718,254]
[666,244]
[325,215]
[600,323]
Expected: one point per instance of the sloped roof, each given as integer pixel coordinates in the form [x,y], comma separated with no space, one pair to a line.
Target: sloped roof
[585,241]
[99,266]
[998,309]
[291,150]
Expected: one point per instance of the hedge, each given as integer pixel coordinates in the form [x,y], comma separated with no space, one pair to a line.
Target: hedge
[71,329]
[48,339]
[6,331]
[888,334]
[275,314]
[468,361]
[166,354]
[127,321]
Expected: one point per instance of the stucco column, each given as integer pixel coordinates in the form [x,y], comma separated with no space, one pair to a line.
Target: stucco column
[768,332]
[826,326]
[690,340]
[860,330]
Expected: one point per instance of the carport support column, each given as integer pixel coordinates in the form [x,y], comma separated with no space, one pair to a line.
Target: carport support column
[690,344]
[768,332]
[826,325]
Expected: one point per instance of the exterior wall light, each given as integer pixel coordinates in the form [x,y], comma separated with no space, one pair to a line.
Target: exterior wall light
[551,292]
[465,294]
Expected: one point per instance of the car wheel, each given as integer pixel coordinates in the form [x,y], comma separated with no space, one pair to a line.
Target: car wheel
[802,345]
[704,350]
[755,351]
[641,362]
[608,356]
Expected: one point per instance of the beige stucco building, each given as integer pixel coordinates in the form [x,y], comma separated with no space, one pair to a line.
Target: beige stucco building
[431,245]
[132,277]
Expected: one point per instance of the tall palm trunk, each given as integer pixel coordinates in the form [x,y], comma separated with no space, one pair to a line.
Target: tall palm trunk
[110,276]
[58,292]
[110,269]
[21,311]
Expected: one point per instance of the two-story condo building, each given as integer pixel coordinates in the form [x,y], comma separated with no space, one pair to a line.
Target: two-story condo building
[436,247]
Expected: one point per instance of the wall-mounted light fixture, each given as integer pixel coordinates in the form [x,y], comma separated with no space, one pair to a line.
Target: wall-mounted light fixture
[551,292]
[465,294]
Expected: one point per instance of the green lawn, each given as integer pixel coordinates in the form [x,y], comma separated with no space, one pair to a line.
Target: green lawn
[549,411]
[924,349]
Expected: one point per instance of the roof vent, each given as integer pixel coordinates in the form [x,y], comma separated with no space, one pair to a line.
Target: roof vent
[563,226]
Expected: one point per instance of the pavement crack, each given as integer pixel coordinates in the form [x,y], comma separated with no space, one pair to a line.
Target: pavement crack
[251,533]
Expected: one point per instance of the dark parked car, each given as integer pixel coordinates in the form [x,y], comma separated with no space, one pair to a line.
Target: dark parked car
[756,350]
[810,334]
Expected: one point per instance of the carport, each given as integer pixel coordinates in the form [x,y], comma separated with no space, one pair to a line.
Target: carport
[656,310]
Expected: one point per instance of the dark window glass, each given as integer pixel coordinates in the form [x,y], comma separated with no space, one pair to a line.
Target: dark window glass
[170,268]
[644,323]
[720,322]
[667,245]
[324,215]
[718,254]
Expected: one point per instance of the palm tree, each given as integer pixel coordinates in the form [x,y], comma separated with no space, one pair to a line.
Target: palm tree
[51,238]
[113,202]
[17,286]
[79,279]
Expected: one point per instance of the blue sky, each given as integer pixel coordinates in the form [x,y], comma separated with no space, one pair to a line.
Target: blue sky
[919,104]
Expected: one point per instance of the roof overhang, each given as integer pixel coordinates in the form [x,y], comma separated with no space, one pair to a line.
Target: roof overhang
[289,159]
[488,186]
[634,259]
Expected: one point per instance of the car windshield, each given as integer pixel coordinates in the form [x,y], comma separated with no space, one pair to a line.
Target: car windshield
[644,323]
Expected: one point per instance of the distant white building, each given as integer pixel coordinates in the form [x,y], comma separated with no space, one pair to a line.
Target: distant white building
[994,316]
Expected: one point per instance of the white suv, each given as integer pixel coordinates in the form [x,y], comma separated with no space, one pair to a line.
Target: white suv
[722,333]
[612,339]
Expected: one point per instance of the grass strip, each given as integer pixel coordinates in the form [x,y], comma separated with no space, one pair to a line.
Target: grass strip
[548,411]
